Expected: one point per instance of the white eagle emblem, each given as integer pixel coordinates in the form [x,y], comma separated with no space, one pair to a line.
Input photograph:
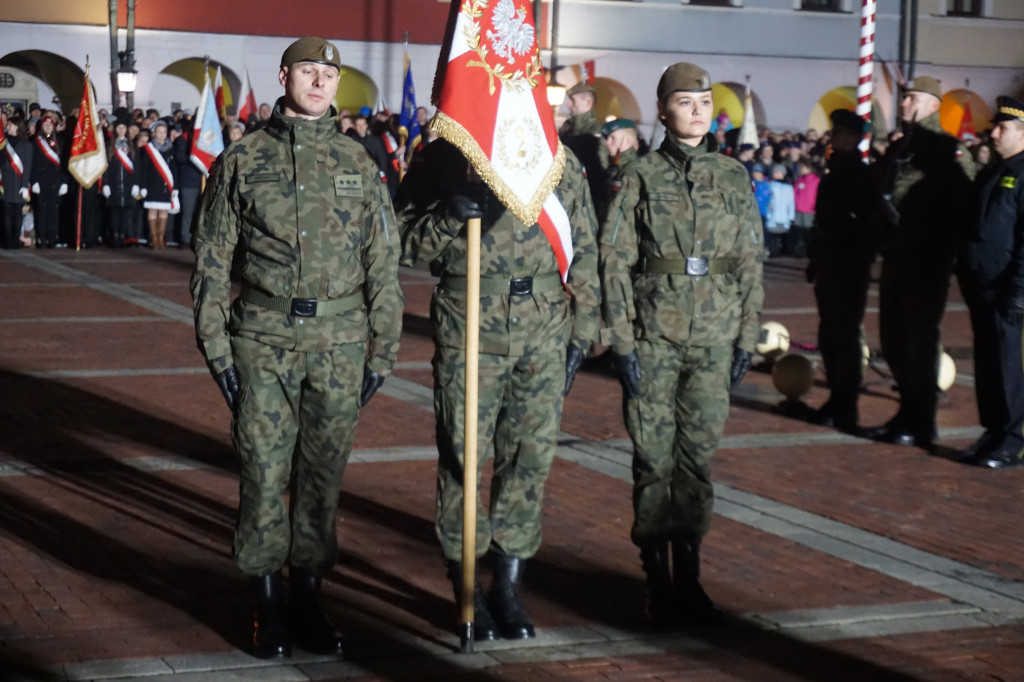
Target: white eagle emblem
[329,52]
[511,36]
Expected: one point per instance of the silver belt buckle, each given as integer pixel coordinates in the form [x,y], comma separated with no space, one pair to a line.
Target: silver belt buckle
[696,266]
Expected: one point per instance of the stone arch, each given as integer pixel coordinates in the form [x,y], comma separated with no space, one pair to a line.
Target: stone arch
[60,75]
[954,105]
[844,97]
[730,96]
[355,90]
[615,100]
[182,81]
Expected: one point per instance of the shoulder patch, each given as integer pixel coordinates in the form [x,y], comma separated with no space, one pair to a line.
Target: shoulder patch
[383,177]
[615,185]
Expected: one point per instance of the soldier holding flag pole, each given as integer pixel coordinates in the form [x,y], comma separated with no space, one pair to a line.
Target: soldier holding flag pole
[500,162]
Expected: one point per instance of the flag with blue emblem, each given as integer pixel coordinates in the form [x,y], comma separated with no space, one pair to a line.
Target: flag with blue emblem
[408,121]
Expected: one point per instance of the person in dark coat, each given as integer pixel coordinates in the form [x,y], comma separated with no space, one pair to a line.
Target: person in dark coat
[119,186]
[16,172]
[991,273]
[49,183]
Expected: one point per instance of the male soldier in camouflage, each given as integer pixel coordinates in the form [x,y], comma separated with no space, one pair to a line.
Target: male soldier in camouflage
[309,340]
[681,261]
[533,335]
[927,175]
[620,149]
[582,134]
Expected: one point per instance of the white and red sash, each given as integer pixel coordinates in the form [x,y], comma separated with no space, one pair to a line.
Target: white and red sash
[125,160]
[16,163]
[47,150]
[165,172]
[161,166]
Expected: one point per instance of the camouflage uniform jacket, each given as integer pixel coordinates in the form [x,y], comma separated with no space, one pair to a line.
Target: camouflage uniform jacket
[310,215]
[509,249]
[929,173]
[580,124]
[676,203]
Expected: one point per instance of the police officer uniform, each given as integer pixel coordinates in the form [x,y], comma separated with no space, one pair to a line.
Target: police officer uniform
[927,175]
[534,332]
[991,273]
[311,336]
[681,266]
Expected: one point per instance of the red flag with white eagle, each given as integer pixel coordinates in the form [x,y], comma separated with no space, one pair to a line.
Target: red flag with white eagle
[88,157]
[492,104]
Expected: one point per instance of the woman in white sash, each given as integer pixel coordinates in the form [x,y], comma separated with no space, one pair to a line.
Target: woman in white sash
[48,182]
[16,172]
[157,179]
[120,186]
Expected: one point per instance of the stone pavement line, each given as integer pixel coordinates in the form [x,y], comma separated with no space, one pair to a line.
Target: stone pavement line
[151,302]
[977,591]
[999,597]
[76,320]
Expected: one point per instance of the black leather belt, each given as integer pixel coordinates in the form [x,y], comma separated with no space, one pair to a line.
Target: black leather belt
[695,267]
[520,286]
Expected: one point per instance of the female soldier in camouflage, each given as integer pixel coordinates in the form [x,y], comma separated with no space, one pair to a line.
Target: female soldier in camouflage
[681,257]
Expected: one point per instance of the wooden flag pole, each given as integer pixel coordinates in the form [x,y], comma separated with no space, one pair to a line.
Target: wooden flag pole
[469,458]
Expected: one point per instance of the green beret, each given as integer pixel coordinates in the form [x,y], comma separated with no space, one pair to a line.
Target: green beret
[582,86]
[311,50]
[683,77]
[925,84]
[618,124]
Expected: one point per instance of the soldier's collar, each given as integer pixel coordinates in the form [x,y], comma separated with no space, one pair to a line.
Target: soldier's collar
[683,152]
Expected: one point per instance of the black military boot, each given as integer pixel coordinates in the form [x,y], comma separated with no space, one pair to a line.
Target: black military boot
[654,555]
[484,627]
[693,606]
[503,597]
[270,633]
[311,628]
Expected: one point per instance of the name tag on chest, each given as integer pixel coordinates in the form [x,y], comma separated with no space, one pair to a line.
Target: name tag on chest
[348,186]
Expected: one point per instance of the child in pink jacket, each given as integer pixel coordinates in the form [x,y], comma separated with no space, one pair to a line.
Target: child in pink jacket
[805,194]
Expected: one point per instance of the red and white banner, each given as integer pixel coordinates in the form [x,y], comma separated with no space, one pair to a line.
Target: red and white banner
[218,96]
[249,107]
[49,152]
[15,160]
[491,100]
[88,157]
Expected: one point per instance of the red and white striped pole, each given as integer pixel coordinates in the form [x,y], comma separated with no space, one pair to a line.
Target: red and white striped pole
[867,71]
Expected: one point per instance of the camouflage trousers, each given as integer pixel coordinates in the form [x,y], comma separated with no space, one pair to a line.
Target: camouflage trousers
[293,430]
[676,423]
[520,406]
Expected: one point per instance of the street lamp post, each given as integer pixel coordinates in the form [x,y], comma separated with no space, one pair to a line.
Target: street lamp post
[127,77]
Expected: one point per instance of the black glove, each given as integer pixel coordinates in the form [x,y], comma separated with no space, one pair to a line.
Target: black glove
[229,385]
[573,360]
[371,382]
[740,364]
[1012,308]
[469,201]
[629,373]
[811,273]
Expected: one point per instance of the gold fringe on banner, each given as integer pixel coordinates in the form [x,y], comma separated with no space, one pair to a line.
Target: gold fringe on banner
[451,130]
